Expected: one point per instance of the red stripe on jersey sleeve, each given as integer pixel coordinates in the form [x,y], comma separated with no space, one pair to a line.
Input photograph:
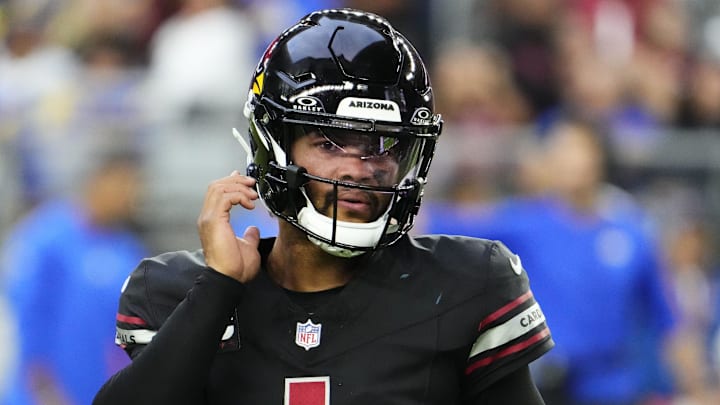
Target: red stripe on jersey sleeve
[509,350]
[133,320]
[505,309]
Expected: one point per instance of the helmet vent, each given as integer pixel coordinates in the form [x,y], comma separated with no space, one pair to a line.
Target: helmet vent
[305,77]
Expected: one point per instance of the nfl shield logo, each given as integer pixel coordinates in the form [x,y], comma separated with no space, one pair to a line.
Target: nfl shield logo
[307,334]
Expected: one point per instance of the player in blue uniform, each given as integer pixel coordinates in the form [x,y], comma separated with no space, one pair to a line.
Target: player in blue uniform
[65,262]
[342,307]
[594,267]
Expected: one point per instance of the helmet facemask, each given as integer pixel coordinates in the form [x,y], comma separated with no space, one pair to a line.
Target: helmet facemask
[346,215]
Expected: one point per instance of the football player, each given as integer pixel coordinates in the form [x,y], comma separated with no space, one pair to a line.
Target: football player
[343,306]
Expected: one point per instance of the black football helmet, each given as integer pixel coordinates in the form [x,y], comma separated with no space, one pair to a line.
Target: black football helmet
[341,70]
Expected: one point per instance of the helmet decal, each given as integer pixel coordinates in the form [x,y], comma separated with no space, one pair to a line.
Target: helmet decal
[259,79]
[381,110]
[257,85]
[422,116]
[307,103]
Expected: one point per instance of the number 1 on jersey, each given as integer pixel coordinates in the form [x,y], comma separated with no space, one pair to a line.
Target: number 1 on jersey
[307,391]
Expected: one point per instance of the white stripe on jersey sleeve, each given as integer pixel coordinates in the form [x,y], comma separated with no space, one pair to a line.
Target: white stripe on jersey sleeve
[145,336]
[513,328]
[133,336]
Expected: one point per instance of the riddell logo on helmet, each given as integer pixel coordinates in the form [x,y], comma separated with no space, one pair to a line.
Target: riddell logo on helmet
[382,110]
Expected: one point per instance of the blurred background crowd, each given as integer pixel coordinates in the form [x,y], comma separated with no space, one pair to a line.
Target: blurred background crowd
[585,134]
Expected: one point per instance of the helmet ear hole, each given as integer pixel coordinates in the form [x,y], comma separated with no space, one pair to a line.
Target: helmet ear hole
[276,191]
[285,195]
[278,198]
[295,178]
[408,204]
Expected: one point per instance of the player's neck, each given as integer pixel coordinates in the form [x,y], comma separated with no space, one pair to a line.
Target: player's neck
[297,264]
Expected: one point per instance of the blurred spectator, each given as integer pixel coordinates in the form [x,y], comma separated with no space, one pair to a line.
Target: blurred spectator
[655,72]
[647,40]
[475,88]
[595,80]
[108,93]
[687,245]
[663,26]
[55,99]
[525,30]
[63,268]
[35,75]
[206,47]
[700,104]
[134,22]
[481,107]
[103,103]
[196,55]
[694,290]
[593,266]
[654,82]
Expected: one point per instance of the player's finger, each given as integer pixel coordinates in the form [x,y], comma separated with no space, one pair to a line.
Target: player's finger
[219,202]
[236,177]
[236,188]
[241,198]
[217,191]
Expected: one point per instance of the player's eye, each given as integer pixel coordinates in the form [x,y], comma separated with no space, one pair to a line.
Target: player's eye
[329,146]
[376,147]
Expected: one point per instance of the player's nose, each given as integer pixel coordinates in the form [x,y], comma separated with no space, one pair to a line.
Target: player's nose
[356,169]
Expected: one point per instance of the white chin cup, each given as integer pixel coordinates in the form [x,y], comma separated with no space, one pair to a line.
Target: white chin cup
[360,234]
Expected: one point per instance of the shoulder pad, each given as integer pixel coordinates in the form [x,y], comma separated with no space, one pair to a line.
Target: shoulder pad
[152,292]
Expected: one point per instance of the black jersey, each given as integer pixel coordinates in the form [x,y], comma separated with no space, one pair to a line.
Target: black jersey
[428,320]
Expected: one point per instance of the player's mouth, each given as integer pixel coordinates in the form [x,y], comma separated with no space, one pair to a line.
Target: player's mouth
[352,205]
[355,205]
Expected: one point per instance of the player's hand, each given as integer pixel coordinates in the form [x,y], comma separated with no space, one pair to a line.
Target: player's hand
[224,251]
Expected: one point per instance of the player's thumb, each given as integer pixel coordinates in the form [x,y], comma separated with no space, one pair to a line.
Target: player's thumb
[252,236]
